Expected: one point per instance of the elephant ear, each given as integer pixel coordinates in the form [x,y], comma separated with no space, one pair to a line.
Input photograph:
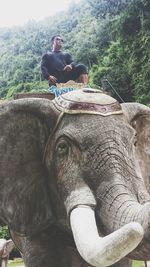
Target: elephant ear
[138,116]
[25,125]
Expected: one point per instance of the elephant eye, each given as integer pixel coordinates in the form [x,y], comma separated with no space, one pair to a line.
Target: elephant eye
[62,148]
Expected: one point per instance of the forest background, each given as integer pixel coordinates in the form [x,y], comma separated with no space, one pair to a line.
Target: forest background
[112,37]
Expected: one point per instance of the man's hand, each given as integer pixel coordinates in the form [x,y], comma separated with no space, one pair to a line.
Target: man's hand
[52,79]
[68,68]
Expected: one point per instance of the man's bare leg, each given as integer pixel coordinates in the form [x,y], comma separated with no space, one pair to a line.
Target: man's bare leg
[83,78]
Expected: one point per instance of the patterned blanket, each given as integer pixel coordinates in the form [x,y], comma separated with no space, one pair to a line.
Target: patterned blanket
[59,91]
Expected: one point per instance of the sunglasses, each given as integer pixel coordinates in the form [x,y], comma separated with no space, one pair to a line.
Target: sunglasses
[59,39]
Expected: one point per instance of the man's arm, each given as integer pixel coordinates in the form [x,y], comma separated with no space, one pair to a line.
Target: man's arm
[70,62]
[44,68]
[45,72]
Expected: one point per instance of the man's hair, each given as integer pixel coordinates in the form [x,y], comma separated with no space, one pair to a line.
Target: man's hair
[52,39]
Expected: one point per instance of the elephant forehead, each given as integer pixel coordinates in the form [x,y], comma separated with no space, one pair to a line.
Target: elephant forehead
[90,101]
[91,126]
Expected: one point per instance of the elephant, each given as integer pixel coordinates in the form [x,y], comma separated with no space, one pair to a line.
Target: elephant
[74,176]
[6,247]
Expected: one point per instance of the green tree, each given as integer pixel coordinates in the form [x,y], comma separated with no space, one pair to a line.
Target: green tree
[4,232]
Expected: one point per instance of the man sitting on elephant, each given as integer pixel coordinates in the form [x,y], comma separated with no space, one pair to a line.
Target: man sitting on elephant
[59,67]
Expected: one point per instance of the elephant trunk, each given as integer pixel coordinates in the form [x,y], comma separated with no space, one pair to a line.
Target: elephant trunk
[102,251]
[123,210]
[141,214]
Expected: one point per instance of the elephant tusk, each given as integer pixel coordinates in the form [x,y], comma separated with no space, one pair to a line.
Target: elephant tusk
[102,251]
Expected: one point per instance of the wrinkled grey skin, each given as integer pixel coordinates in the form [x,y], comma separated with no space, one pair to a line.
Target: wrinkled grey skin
[40,167]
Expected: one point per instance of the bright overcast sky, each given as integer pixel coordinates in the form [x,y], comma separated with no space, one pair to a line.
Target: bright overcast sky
[18,12]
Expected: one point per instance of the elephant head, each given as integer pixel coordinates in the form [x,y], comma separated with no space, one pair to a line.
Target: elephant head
[77,163]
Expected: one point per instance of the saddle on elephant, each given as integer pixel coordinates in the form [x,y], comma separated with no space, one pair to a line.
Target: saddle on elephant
[55,91]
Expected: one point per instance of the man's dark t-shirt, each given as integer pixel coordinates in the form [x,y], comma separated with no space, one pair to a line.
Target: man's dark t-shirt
[53,63]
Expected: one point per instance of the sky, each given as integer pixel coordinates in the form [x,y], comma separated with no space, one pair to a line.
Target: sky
[19,12]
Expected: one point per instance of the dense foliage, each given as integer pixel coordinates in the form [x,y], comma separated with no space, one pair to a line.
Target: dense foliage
[4,233]
[111,36]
